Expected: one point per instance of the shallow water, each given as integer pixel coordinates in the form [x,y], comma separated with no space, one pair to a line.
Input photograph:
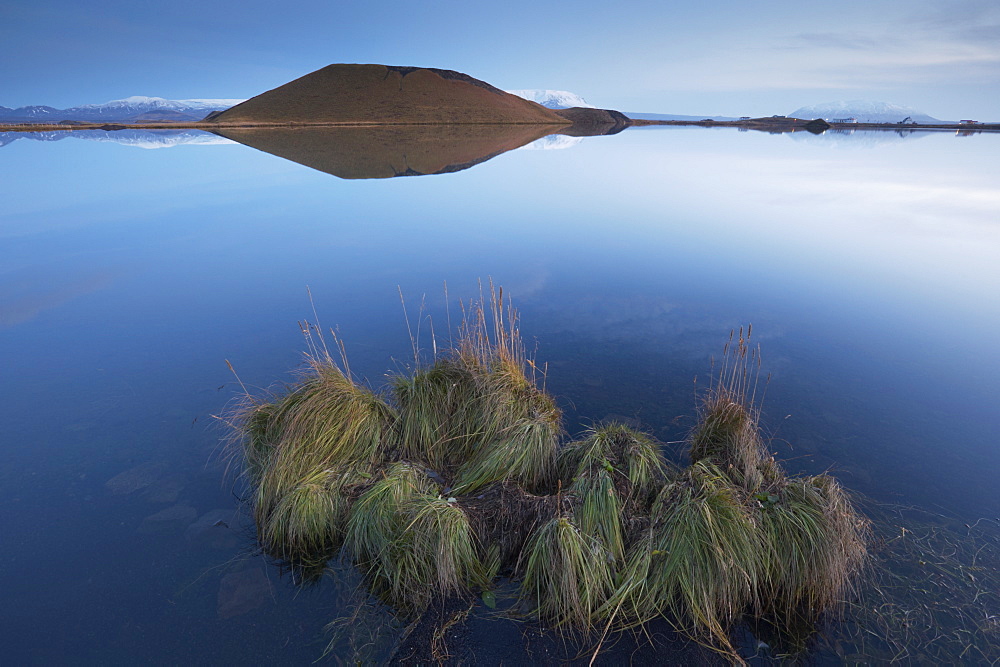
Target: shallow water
[867,265]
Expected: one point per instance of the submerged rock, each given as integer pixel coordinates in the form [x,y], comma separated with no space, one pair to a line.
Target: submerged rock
[168,519]
[242,592]
[135,478]
[214,529]
[164,490]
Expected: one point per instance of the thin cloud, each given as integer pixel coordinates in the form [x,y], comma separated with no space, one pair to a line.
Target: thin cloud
[834,40]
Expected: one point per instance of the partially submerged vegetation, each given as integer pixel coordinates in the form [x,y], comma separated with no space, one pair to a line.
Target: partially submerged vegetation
[459,474]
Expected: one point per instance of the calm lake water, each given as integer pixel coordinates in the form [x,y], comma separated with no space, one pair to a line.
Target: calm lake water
[868,264]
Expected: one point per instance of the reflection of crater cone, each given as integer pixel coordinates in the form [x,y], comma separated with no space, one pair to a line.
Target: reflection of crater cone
[386,95]
[387,151]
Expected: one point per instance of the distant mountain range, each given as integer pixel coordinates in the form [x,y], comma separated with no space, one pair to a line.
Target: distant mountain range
[864,111]
[130,109]
[153,109]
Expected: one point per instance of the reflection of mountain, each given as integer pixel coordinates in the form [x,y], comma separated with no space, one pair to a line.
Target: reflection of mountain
[858,138]
[387,151]
[136,138]
[552,142]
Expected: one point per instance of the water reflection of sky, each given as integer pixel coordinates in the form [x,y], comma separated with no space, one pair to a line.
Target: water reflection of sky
[130,276]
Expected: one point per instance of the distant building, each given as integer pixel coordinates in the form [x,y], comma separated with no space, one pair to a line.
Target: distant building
[744,117]
[969,122]
[852,119]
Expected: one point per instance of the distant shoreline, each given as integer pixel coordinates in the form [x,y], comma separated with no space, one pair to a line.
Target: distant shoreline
[766,124]
[796,124]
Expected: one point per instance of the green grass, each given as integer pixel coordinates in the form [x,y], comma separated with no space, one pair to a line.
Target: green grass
[599,512]
[307,523]
[568,576]
[378,517]
[817,544]
[708,555]
[634,460]
[459,473]
[439,413]
[523,452]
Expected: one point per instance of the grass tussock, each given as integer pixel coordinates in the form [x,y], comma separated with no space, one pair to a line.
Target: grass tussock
[459,473]
[307,523]
[568,575]
[817,543]
[599,511]
[701,563]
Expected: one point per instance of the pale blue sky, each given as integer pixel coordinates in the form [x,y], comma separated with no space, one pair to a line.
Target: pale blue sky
[720,57]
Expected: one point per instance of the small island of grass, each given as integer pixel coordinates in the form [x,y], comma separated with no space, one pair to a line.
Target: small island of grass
[458,474]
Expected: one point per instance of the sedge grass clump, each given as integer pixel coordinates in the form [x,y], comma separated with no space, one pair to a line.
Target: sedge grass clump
[328,419]
[817,544]
[443,538]
[413,543]
[706,555]
[599,511]
[523,451]
[727,433]
[378,517]
[440,413]
[633,459]
[459,473]
[568,576]
[307,523]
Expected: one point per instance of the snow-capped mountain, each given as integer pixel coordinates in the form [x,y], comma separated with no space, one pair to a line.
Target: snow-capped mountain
[36,112]
[553,99]
[863,111]
[130,108]
[139,104]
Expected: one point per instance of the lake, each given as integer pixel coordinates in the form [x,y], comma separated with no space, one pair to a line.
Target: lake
[867,264]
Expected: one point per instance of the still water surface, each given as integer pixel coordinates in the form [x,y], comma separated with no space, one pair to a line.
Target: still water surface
[868,265]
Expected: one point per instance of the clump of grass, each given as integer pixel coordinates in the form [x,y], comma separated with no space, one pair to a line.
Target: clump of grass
[413,543]
[459,473]
[633,459]
[378,517]
[439,413]
[817,543]
[442,537]
[599,511]
[328,419]
[568,576]
[307,524]
[703,559]
[524,451]
[727,432]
